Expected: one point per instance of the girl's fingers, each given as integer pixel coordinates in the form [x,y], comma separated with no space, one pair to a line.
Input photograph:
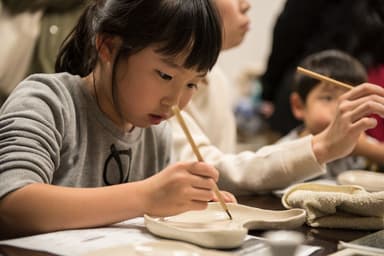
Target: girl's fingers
[198,205]
[201,182]
[204,169]
[228,197]
[202,195]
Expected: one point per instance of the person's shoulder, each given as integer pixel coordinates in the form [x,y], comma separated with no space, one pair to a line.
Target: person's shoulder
[55,83]
[58,88]
[55,78]
[292,135]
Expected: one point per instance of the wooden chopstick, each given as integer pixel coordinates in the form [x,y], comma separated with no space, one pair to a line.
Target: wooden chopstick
[196,151]
[322,78]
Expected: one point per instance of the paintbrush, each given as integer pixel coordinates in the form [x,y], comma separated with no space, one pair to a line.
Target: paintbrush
[322,78]
[196,151]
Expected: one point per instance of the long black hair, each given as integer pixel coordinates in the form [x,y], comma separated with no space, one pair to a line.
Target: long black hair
[177,26]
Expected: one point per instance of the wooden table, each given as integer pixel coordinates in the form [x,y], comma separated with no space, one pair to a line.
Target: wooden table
[325,238]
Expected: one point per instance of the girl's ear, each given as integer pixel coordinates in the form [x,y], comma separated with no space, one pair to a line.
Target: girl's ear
[106,47]
[297,106]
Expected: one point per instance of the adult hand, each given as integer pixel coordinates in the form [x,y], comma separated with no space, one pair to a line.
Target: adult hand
[351,119]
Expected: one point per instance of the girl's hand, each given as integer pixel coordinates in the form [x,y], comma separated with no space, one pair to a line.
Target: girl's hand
[180,187]
[227,196]
[341,136]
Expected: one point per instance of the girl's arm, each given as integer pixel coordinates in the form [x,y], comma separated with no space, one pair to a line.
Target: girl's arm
[38,208]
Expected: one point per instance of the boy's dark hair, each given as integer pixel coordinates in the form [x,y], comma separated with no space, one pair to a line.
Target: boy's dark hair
[331,63]
[176,26]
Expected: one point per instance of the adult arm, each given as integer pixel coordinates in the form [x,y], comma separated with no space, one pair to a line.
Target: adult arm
[277,166]
[272,167]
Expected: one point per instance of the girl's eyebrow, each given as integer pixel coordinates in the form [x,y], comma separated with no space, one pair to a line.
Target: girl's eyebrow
[169,62]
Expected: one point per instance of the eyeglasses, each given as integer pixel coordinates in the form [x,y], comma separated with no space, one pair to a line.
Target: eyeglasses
[114,157]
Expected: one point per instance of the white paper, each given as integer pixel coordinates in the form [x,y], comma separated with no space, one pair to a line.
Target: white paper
[80,241]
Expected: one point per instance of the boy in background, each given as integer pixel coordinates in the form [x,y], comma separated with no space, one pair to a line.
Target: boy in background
[314,103]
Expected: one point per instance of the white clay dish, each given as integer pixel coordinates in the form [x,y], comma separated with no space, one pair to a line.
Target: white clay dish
[370,181]
[212,228]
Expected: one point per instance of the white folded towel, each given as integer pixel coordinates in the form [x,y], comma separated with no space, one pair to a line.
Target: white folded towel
[334,206]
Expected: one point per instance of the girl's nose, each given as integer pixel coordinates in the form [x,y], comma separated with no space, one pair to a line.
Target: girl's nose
[172,99]
[244,6]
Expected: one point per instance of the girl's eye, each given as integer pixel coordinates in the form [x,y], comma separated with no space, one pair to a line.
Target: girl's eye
[164,75]
[193,86]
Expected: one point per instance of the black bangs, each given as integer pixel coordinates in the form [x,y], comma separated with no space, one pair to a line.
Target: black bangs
[198,34]
[188,28]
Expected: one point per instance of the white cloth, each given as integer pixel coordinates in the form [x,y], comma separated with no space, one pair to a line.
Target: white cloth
[211,121]
[18,37]
[335,206]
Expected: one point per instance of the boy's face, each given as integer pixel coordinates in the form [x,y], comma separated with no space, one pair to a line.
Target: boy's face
[235,21]
[319,109]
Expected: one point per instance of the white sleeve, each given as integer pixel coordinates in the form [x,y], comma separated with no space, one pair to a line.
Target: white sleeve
[271,167]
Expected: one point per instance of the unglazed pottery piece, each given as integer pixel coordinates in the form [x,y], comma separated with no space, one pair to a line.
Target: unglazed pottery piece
[283,242]
[371,181]
[158,248]
[213,229]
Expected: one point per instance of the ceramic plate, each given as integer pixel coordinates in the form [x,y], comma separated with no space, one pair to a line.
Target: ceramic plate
[211,227]
[159,248]
[371,181]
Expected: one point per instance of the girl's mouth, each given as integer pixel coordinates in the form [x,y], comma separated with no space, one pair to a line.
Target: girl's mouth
[156,119]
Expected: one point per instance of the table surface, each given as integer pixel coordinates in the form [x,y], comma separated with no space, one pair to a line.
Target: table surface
[325,238]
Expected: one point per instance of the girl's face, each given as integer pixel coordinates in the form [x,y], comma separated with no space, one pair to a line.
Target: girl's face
[235,21]
[149,84]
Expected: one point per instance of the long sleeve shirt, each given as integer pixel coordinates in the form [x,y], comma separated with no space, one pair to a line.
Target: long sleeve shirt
[212,126]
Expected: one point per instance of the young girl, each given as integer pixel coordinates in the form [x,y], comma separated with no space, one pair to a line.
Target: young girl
[65,137]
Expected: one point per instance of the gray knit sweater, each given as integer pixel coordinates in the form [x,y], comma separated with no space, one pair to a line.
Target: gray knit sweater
[51,131]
